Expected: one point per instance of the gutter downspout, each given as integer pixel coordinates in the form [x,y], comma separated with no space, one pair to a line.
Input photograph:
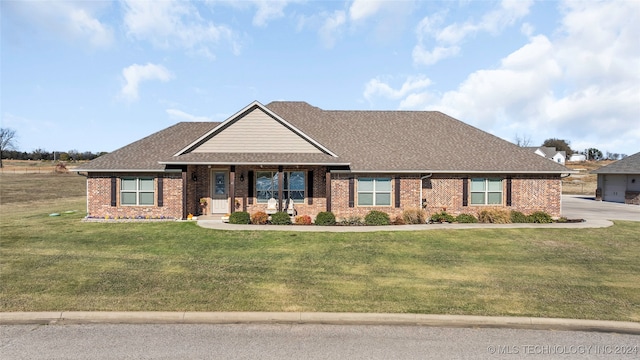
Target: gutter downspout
[421,180]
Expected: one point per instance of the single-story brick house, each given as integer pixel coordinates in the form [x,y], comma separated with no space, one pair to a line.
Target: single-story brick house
[620,181]
[347,162]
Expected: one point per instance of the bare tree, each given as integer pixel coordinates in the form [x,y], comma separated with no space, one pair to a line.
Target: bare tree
[7,141]
[524,141]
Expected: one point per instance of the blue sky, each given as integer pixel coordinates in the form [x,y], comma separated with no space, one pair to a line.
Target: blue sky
[95,76]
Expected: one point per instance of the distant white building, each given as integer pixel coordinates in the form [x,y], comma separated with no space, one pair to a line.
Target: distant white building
[550,153]
[577,158]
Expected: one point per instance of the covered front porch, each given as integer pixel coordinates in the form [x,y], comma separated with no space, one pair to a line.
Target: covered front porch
[216,190]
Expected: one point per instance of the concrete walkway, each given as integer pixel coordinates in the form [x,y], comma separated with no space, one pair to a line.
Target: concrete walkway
[597,214]
[82,317]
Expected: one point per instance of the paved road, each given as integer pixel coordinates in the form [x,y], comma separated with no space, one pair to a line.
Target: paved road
[104,341]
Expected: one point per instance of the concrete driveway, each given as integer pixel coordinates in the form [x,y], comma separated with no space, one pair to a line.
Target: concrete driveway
[585,207]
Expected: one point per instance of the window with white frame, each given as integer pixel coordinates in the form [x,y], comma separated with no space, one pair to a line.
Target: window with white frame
[137,191]
[374,191]
[486,191]
[293,186]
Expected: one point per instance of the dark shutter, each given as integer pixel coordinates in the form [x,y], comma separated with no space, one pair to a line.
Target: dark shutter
[397,192]
[327,185]
[310,187]
[160,191]
[250,186]
[351,192]
[465,192]
[114,191]
[508,191]
[280,187]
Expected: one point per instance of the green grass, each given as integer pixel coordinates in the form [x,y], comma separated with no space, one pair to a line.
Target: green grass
[61,263]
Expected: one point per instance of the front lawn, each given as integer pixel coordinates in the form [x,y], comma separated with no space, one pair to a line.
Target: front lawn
[61,263]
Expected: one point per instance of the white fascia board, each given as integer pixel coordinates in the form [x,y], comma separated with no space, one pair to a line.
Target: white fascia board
[452,172]
[126,170]
[270,113]
[250,163]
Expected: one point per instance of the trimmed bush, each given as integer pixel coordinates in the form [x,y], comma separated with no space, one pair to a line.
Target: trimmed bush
[303,220]
[375,217]
[442,217]
[519,218]
[239,217]
[466,219]
[259,218]
[495,216]
[325,218]
[414,216]
[352,221]
[540,217]
[280,218]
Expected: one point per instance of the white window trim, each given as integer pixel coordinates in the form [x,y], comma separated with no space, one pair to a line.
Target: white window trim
[374,192]
[486,192]
[137,191]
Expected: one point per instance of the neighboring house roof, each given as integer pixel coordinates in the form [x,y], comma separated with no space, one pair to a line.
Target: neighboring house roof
[548,152]
[628,165]
[366,141]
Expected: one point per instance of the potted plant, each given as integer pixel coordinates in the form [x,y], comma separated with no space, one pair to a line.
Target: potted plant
[203,205]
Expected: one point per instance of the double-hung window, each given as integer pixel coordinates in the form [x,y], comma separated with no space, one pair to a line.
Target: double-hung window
[486,191]
[137,191]
[293,186]
[374,191]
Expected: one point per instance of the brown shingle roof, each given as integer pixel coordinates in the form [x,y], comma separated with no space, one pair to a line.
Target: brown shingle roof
[410,141]
[370,141]
[628,165]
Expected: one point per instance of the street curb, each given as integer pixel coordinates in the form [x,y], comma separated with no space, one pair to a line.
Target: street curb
[458,321]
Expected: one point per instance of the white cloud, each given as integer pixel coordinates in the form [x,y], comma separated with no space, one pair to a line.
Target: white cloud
[331,27]
[181,115]
[175,24]
[377,87]
[449,38]
[426,57]
[135,74]
[362,9]
[582,83]
[72,20]
[268,10]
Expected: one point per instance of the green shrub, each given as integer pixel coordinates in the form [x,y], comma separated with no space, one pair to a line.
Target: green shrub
[303,220]
[466,219]
[239,217]
[352,221]
[442,217]
[414,216]
[325,218]
[375,217]
[281,218]
[519,218]
[540,217]
[495,216]
[259,218]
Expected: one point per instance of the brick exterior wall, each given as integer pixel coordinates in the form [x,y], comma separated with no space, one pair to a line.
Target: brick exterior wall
[99,197]
[529,194]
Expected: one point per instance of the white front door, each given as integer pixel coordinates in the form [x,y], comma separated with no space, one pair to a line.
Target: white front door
[220,192]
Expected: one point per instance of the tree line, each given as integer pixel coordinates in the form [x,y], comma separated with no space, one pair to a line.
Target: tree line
[41,154]
[8,150]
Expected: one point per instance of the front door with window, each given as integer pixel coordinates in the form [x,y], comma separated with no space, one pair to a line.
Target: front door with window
[219,192]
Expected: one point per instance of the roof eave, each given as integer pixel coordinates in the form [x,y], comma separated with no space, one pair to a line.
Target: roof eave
[269,163]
